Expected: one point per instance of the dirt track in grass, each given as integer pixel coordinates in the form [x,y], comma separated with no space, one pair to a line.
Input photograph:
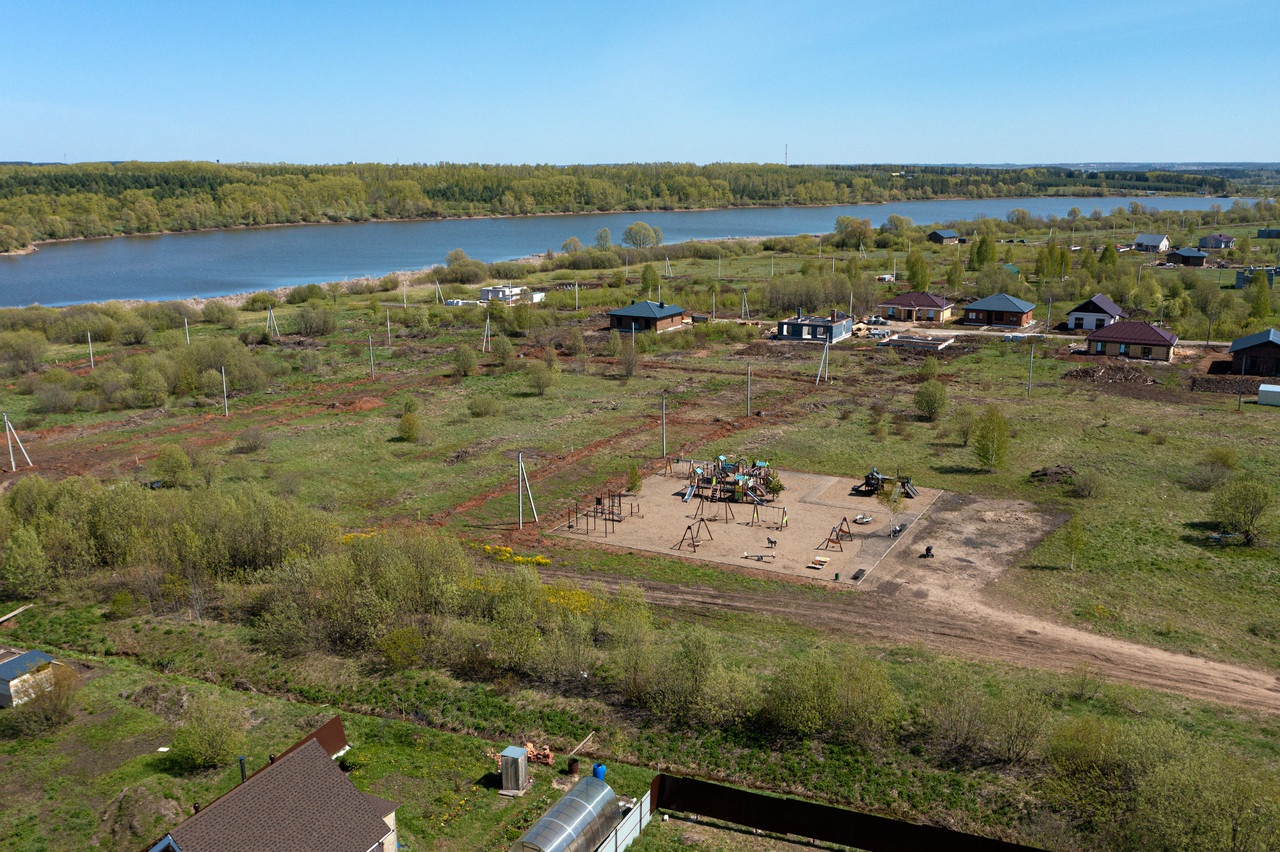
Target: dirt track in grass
[944,604]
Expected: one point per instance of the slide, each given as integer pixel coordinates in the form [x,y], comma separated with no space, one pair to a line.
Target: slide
[910,490]
[689,494]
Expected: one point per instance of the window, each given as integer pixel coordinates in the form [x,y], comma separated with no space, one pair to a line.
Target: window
[805,331]
[1079,322]
[930,315]
[973,315]
[891,311]
[1124,349]
[1146,352]
[1099,348]
[1099,322]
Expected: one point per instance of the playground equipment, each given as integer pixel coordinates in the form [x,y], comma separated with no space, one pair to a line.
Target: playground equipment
[691,534]
[875,482]
[725,481]
[862,520]
[777,520]
[759,557]
[604,512]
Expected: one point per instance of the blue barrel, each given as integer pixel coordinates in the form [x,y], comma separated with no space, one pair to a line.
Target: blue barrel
[598,770]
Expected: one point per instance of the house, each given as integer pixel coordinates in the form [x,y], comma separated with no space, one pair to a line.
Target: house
[1217,241]
[917,307]
[646,316]
[1098,312]
[502,293]
[830,329]
[23,674]
[1132,340]
[1257,354]
[1269,233]
[943,238]
[1244,277]
[998,309]
[1151,242]
[1186,257]
[300,800]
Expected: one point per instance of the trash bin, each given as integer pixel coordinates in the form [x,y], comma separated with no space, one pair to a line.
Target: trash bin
[573,766]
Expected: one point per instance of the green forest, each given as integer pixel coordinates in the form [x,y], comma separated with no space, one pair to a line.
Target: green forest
[49,202]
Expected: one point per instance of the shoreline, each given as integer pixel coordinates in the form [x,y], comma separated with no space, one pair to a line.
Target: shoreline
[35,245]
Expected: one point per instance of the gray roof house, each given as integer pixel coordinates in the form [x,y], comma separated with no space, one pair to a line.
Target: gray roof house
[1151,242]
[946,238]
[1217,241]
[998,309]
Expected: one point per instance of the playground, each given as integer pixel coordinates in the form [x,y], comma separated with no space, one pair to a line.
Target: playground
[824,527]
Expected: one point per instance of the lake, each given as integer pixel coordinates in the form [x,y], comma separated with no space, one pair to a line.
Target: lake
[215,263]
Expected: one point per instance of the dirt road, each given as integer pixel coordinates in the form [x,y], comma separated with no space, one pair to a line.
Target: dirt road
[942,603]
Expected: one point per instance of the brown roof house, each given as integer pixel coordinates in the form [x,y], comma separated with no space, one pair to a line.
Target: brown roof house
[301,800]
[1133,340]
[916,307]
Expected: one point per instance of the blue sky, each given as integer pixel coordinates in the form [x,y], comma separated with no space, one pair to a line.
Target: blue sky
[853,82]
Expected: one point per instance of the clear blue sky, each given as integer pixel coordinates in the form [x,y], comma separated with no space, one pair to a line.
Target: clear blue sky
[852,82]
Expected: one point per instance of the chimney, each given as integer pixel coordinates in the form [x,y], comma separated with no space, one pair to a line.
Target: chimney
[833,316]
[243,776]
[195,808]
[633,301]
[662,304]
[271,758]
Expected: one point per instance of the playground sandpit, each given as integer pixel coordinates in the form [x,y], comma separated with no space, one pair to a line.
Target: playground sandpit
[660,522]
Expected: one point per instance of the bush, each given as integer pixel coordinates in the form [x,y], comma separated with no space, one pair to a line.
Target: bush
[505,352]
[482,406]
[402,648]
[929,369]
[220,313]
[251,440]
[634,480]
[172,467]
[1089,484]
[991,439]
[629,360]
[931,399]
[212,733]
[573,344]
[122,605]
[23,350]
[464,361]
[1242,507]
[53,399]
[410,428]
[304,293]
[316,322]
[24,570]
[260,302]
[541,378]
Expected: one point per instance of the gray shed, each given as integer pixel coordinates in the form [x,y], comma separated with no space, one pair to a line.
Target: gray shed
[1269,395]
[577,823]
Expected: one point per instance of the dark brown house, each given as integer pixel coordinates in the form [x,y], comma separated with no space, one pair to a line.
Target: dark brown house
[1256,355]
[943,238]
[1133,340]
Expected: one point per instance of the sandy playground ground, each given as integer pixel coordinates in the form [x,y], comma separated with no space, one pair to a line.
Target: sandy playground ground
[814,504]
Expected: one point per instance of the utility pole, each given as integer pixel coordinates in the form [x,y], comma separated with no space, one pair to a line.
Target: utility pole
[226,412]
[748,388]
[664,425]
[371,357]
[89,334]
[187,329]
[388,328]
[1240,395]
[1030,366]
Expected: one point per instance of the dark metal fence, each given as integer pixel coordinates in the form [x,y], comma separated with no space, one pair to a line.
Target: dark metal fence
[809,819]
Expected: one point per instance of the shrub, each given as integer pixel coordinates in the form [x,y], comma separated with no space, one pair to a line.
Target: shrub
[402,648]
[634,480]
[482,406]
[541,378]
[629,360]
[614,344]
[24,570]
[505,352]
[122,605]
[316,322]
[23,349]
[133,331]
[304,293]
[931,399]
[464,361]
[212,733]
[929,369]
[573,344]
[220,313]
[991,439]
[259,302]
[1089,484]
[1242,506]
[55,399]
[410,428]
[172,467]
[309,362]
[251,440]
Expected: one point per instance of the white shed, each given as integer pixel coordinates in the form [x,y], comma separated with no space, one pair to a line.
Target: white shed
[1269,395]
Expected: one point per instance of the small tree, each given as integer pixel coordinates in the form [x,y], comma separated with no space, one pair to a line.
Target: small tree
[964,420]
[929,369]
[603,239]
[505,352]
[634,480]
[541,378]
[24,570]
[991,439]
[641,235]
[931,399]
[891,499]
[649,278]
[573,344]
[614,344]
[212,733]
[464,361]
[1074,539]
[48,708]
[410,428]
[629,360]
[172,467]
[1241,506]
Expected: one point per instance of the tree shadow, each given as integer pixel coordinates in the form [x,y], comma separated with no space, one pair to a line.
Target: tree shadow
[1197,534]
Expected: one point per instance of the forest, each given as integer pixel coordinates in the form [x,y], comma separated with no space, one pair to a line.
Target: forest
[50,202]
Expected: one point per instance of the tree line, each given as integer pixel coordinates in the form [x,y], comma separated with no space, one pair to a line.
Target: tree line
[102,199]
